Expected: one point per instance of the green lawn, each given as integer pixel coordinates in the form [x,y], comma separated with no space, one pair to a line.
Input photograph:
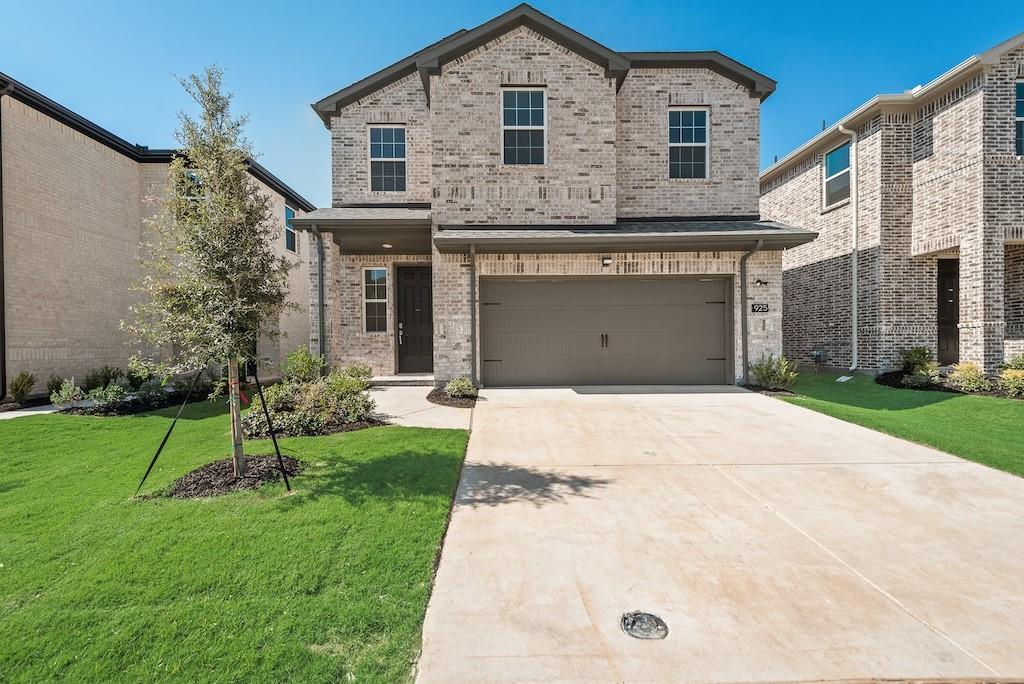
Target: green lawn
[329,584]
[983,429]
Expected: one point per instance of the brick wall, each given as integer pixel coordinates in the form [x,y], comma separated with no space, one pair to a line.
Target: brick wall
[644,188]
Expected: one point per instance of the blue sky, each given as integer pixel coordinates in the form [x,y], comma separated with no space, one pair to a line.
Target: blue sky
[114,62]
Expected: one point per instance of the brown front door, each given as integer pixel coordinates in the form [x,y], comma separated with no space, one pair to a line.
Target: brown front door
[948,311]
[415,320]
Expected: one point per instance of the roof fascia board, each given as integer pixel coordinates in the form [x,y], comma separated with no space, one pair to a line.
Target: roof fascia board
[368,223]
[760,86]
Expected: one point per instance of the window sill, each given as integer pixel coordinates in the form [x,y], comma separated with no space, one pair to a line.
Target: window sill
[691,180]
[837,205]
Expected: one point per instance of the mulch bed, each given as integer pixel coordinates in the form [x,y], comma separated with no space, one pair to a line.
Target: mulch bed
[352,427]
[438,397]
[895,379]
[219,477]
[770,392]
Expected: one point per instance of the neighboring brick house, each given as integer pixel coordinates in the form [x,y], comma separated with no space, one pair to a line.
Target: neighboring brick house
[938,200]
[73,198]
[522,205]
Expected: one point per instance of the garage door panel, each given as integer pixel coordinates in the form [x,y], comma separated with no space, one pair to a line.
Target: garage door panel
[658,331]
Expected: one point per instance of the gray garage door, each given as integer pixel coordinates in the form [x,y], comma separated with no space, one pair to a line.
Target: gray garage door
[586,331]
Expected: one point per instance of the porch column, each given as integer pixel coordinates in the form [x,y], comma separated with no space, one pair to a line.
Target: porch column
[1013,304]
[982,325]
[325,318]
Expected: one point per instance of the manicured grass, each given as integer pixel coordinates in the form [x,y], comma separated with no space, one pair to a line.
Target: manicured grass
[983,429]
[329,584]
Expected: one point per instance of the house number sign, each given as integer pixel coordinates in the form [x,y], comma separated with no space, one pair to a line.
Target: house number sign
[759,308]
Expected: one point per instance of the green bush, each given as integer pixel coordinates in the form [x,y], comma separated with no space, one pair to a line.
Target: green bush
[101,377]
[53,384]
[316,407]
[113,395]
[301,366]
[1012,382]
[1016,363]
[460,387]
[968,377]
[68,394]
[360,371]
[917,359]
[922,378]
[151,393]
[774,373]
[21,385]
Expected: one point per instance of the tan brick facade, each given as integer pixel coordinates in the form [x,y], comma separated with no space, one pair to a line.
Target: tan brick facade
[937,178]
[73,224]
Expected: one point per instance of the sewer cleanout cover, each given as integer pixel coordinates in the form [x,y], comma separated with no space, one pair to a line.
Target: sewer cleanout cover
[640,625]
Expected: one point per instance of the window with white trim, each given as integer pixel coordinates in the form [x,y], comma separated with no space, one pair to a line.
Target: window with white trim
[387,159]
[375,299]
[523,125]
[1019,111]
[289,229]
[688,142]
[837,175]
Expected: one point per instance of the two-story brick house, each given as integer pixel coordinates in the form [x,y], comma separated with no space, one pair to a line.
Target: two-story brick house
[524,206]
[918,199]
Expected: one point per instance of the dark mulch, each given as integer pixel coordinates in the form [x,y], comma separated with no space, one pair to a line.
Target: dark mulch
[352,427]
[219,477]
[438,397]
[895,379]
[770,392]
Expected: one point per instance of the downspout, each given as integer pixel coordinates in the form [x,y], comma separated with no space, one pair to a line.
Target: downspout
[320,292]
[3,295]
[854,248]
[743,310]
[472,311]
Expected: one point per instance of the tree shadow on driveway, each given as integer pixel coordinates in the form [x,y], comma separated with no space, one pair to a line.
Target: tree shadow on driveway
[494,484]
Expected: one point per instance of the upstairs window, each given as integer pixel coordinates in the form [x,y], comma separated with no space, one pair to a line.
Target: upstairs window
[289,229]
[523,125]
[387,159]
[1020,117]
[837,175]
[688,143]
[375,299]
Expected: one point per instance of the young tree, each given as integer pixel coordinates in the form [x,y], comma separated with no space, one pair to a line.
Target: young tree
[213,283]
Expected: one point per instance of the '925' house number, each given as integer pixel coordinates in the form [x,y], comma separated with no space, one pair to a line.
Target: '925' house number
[759,308]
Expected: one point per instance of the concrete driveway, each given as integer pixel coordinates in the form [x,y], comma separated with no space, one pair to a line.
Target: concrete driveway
[778,544]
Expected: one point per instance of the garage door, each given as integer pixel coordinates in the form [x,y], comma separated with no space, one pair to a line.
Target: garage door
[619,331]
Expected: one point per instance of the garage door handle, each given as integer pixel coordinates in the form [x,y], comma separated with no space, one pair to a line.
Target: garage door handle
[604,340]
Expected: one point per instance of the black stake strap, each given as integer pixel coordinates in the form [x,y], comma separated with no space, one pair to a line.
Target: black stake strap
[270,426]
[188,395]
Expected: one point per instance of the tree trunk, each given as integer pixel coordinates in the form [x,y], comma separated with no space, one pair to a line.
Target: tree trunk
[237,455]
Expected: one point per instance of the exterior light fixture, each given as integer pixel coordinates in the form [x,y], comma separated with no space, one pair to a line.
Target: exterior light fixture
[606,261]
[386,245]
[760,282]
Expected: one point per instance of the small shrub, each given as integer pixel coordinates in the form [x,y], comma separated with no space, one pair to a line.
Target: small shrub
[774,373]
[1012,382]
[360,371]
[357,407]
[460,387]
[968,377]
[343,385]
[1016,363]
[917,359]
[151,393]
[317,407]
[922,378]
[101,377]
[53,384]
[68,394]
[301,366]
[21,385]
[113,395]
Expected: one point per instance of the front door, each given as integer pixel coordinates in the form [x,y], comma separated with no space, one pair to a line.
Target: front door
[415,320]
[948,311]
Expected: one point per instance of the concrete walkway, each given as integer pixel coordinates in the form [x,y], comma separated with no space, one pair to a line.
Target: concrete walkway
[409,406]
[30,411]
[778,544]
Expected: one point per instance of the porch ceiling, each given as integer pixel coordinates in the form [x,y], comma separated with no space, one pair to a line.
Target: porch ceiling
[366,230]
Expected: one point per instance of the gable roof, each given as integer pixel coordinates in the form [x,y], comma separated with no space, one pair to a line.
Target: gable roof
[908,99]
[616,64]
[138,153]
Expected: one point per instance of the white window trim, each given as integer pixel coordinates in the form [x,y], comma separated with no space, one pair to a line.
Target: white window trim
[824,183]
[366,300]
[289,229]
[1016,119]
[370,159]
[706,144]
[501,120]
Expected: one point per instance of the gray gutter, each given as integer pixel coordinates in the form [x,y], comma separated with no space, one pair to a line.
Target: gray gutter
[744,325]
[320,292]
[5,90]
[472,313]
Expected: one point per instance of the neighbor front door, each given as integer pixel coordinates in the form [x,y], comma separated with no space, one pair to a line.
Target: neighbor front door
[948,311]
[415,320]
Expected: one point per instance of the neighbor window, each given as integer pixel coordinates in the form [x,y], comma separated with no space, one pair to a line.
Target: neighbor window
[837,175]
[1020,117]
[289,229]
[688,143]
[375,299]
[387,159]
[523,122]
